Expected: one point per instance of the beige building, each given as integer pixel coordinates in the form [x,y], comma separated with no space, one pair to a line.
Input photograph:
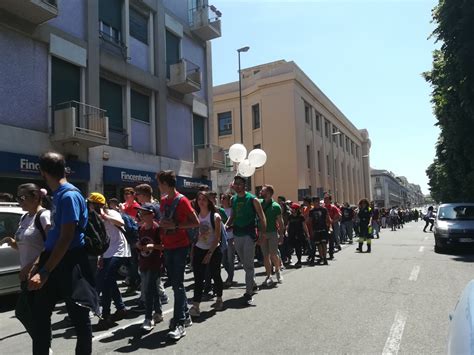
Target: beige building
[311,146]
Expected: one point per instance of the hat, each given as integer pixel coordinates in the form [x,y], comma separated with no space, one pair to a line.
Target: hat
[148,207]
[295,206]
[96,197]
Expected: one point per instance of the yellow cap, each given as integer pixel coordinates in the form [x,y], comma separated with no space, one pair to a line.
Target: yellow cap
[96,197]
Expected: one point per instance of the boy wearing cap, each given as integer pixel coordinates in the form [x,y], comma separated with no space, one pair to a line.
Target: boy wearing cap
[150,258]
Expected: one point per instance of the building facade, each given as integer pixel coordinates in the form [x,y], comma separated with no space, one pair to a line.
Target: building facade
[121,87]
[311,146]
[390,190]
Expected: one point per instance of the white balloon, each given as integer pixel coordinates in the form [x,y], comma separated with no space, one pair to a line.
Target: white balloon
[237,152]
[257,158]
[245,169]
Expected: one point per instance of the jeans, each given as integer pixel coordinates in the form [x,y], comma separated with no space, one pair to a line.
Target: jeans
[337,233]
[346,230]
[134,276]
[57,287]
[375,228]
[175,260]
[199,270]
[245,248]
[228,259]
[107,284]
[152,298]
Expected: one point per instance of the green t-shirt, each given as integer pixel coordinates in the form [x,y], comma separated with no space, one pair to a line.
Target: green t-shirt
[272,210]
[222,213]
[244,215]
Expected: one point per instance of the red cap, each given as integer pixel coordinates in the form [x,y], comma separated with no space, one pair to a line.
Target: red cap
[295,206]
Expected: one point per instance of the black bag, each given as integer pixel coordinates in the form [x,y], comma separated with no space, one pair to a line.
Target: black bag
[96,238]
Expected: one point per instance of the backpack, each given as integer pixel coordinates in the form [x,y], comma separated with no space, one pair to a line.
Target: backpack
[37,222]
[224,234]
[95,235]
[170,214]
[129,229]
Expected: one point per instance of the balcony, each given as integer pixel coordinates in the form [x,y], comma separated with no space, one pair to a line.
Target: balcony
[210,156]
[205,22]
[76,122]
[33,11]
[185,77]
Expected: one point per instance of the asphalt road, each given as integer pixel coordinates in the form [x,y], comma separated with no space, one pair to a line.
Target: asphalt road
[396,299]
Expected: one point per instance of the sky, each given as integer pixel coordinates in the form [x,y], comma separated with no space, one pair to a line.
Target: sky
[367,56]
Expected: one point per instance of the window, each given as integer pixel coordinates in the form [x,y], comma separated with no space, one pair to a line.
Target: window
[334,136]
[140,106]
[318,123]
[172,51]
[111,100]
[326,128]
[257,146]
[138,26]
[357,151]
[327,165]
[110,17]
[352,148]
[319,161]
[377,179]
[341,140]
[199,131]
[225,123]
[256,116]
[347,144]
[307,113]
[65,82]
[308,156]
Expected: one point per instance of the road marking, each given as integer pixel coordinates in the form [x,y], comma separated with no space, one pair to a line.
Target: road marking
[108,334]
[421,249]
[392,345]
[414,273]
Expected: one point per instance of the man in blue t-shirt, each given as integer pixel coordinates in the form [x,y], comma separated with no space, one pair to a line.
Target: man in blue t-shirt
[63,262]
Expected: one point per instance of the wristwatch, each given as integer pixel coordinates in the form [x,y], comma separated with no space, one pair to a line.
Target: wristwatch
[44,272]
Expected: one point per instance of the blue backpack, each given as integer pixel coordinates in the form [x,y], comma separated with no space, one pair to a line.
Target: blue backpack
[130,229]
[224,234]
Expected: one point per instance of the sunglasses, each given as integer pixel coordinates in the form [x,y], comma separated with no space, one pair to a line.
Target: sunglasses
[20,198]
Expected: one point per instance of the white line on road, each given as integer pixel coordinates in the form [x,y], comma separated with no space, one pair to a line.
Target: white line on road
[392,345]
[109,334]
[421,249]
[414,273]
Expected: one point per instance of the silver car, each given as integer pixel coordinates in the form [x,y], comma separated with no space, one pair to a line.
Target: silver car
[10,215]
[454,226]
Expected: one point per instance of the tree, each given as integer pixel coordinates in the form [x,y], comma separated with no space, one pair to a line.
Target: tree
[451,175]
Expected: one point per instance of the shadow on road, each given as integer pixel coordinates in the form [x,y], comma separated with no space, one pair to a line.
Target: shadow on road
[8,303]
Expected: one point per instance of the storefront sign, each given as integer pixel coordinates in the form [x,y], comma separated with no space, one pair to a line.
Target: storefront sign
[193,183]
[28,165]
[123,176]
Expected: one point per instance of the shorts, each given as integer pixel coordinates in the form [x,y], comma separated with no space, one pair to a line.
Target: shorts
[270,246]
[320,236]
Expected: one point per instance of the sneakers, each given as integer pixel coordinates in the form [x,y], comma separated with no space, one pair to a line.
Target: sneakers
[298,265]
[279,277]
[177,333]
[219,305]
[148,325]
[104,324]
[157,318]
[194,312]
[268,281]
[248,299]
[188,322]
[119,314]
[164,299]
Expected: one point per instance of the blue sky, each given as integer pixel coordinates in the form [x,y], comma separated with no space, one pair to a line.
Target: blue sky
[366,55]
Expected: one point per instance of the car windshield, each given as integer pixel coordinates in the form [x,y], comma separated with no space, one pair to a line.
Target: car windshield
[456,212]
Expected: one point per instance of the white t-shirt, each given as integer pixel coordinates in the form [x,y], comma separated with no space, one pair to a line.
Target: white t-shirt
[118,246]
[207,236]
[228,212]
[29,239]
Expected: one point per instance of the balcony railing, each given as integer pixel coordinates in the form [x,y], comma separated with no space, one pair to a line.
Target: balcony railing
[210,156]
[205,22]
[185,77]
[113,45]
[78,122]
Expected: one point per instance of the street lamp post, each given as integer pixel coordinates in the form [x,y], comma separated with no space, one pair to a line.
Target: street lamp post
[333,134]
[367,194]
[243,49]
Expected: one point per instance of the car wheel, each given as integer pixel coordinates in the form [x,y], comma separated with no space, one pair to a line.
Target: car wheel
[438,248]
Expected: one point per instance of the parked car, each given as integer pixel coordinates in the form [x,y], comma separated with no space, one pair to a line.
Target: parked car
[460,336]
[10,214]
[454,226]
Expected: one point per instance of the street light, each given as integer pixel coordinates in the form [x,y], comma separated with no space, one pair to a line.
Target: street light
[243,49]
[367,195]
[333,134]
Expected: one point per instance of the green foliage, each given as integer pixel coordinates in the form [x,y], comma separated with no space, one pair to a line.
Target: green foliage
[451,175]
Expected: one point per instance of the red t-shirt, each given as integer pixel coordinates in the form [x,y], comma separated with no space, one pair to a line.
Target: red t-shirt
[131,209]
[150,260]
[179,237]
[333,211]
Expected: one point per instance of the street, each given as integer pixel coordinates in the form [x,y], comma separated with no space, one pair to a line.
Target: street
[396,299]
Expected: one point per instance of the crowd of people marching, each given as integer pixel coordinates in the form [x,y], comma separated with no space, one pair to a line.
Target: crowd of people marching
[157,239]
